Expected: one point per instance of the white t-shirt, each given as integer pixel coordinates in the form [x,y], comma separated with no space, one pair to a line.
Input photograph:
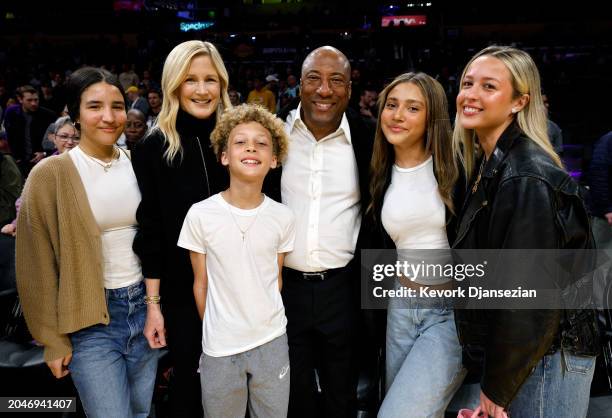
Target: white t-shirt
[414,215]
[113,196]
[244,308]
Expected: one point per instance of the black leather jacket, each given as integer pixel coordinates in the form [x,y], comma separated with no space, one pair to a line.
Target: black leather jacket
[524,201]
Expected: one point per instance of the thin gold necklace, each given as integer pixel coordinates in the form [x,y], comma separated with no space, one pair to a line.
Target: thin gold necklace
[477,182]
[105,165]
[242,231]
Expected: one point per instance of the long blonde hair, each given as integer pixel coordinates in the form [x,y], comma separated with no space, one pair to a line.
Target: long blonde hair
[174,73]
[532,119]
[437,142]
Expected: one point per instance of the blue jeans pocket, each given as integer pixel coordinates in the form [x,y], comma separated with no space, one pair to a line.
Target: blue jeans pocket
[578,364]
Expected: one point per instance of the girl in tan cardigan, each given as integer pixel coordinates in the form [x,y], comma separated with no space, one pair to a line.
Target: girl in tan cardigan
[80,284]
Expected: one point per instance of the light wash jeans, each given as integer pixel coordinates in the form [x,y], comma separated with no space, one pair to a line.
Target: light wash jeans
[113,367]
[559,387]
[423,365]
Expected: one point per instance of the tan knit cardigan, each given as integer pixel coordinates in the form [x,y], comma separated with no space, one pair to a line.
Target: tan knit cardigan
[58,257]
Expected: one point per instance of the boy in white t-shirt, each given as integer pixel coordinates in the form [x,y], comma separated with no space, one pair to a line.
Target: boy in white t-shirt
[237,241]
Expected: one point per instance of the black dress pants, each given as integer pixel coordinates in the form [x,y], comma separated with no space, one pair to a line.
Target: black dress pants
[184,332]
[320,318]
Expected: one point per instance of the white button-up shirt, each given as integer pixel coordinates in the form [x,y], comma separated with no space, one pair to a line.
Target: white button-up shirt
[320,183]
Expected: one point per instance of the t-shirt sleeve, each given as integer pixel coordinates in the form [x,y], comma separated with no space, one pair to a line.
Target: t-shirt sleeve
[288,237]
[192,236]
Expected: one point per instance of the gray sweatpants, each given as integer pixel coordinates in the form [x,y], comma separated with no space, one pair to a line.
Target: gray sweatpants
[258,378]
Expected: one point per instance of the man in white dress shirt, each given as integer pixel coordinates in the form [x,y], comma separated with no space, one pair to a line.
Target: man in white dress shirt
[324,181]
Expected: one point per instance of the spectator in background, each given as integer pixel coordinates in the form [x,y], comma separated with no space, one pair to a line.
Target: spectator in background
[25,128]
[56,80]
[554,131]
[154,97]
[48,142]
[367,103]
[356,86]
[280,93]
[261,96]
[148,82]
[4,96]
[1,108]
[11,102]
[289,93]
[48,98]
[448,81]
[600,182]
[599,179]
[10,188]
[136,100]
[59,90]
[293,88]
[272,84]
[11,182]
[64,136]
[234,96]
[135,128]
[128,77]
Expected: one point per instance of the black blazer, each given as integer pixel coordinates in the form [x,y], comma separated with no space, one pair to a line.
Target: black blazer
[15,124]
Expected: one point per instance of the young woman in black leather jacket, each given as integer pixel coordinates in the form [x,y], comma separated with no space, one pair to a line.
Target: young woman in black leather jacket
[519,197]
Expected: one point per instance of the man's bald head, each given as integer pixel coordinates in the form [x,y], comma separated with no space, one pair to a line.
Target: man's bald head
[137,114]
[327,51]
[325,90]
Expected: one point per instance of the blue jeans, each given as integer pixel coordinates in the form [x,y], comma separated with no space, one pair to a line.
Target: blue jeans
[423,365]
[113,367]
[559,387]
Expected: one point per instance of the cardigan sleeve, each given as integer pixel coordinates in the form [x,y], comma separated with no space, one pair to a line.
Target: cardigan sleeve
[147,160]
[36,266]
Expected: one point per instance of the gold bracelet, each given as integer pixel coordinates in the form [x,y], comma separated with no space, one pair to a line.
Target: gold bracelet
[152,300]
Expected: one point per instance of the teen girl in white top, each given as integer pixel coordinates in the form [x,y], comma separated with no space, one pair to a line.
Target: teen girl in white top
[412,182]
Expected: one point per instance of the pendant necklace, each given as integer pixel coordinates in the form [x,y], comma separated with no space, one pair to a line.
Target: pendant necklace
[242,231]
[105,165]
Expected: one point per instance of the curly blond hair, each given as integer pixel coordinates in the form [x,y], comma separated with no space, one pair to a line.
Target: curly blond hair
[246,113]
